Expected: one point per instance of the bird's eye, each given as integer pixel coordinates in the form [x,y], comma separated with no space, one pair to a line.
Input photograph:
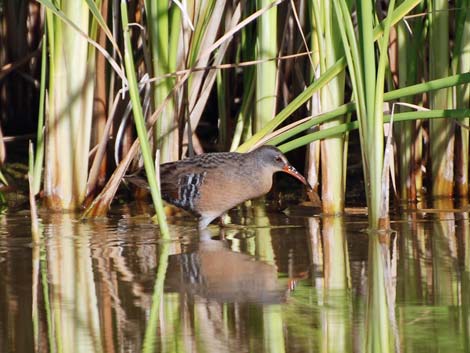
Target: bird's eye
[278,158]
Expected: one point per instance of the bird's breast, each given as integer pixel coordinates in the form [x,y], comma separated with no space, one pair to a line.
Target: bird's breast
[223,191]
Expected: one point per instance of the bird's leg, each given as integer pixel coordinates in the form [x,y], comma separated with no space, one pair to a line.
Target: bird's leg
[221,220]
[205,234]
[222,234]
[205,220]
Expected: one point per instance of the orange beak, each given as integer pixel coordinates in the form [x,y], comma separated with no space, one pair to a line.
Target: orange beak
[292,171]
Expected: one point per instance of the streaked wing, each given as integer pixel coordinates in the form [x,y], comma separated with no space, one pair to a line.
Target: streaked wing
[180,184]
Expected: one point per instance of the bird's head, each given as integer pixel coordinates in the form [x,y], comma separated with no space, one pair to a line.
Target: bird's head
[272,158]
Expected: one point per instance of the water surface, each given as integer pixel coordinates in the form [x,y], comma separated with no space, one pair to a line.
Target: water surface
[277,284]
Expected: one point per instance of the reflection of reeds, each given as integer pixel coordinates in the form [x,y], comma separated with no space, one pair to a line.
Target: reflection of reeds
[444,246]
[103,291]
[35,293]
[157,299]
[71,290]
[335,254]
[464,234]
[337,280]
[379,322]
[315,252]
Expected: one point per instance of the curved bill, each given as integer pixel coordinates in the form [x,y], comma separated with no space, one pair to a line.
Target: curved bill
[292,171]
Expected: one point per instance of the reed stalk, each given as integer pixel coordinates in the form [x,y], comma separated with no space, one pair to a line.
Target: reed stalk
[461,64]
[266,72]
[243,131]
[331,96]
[362,70]
[226,90]
[243,128]
[316,59]
[223,90]
[408,134]
[381,195]
[160,34]
[35,234]
[467,258]
[210,15]
[97,175]
[39,157]
[441,131]
[68,125]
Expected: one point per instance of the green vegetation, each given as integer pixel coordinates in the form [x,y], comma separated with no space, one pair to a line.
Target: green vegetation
[265,65]
[199,76]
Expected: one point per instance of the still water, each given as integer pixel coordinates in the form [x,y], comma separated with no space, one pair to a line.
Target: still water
[278,284]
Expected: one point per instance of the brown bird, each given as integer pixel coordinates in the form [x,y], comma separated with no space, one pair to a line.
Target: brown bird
[210,184]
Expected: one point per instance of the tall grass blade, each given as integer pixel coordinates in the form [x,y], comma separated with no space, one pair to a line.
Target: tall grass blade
[294,105]
[140,124]
[352,125]
[450,81]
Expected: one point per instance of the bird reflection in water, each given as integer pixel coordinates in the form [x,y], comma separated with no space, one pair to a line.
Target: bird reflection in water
[215,272]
